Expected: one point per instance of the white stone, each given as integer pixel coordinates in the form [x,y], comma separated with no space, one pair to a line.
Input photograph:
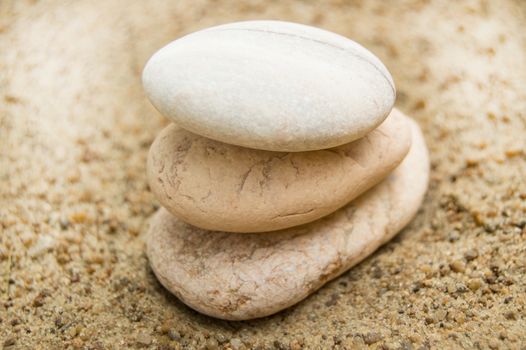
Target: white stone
[270,85]
[244,276]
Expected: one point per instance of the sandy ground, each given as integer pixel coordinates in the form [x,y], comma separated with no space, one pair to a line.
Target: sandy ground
[75,128]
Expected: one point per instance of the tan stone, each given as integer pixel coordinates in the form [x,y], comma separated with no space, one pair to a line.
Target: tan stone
[244,276]
[217,186]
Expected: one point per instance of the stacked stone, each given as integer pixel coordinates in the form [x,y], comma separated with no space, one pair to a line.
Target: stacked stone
[285,166]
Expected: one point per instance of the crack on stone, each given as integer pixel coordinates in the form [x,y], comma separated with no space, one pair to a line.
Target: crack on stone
[193,201]
[207,195]
[293,214]
[294,166]
[160,179]
[244,179]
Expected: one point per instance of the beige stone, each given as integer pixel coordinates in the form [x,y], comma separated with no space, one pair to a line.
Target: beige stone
[244,276]
[270,85]
[217,186]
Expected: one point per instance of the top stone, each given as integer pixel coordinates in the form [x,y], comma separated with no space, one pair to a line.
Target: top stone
[270,85]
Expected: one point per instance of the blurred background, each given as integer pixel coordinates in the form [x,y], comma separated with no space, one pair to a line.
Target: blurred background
[75,128]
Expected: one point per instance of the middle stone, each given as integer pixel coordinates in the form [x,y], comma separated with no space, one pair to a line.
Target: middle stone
[217,186]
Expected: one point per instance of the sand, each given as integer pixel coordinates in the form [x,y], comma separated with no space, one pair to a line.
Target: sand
[75,129]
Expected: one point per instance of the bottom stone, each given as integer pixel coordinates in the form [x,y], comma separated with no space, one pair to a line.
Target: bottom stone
[243,276]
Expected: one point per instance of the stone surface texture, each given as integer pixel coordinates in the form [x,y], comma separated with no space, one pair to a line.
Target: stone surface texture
[270,85]
[245,276]
[217,186]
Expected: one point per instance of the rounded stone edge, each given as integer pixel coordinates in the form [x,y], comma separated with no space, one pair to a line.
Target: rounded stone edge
[322,36]
[417,179]
[158,181]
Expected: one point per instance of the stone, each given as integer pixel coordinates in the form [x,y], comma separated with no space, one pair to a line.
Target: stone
[270,85]
[244,276]
[222,187]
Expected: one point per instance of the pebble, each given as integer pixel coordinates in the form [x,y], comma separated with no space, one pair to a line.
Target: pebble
[471,254]
[372,337]
[236,344]
[212,344]
[236,277]
[510,315]
[165,327]
[270,85]
[493,344]
[474,284]
[458,266]
[77,343]
[454,236]
[222,187]
[174,335]
[461,288]
[9,342]
[295,345]
[144,338]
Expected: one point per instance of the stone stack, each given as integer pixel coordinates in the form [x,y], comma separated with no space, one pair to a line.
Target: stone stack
[285,166]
